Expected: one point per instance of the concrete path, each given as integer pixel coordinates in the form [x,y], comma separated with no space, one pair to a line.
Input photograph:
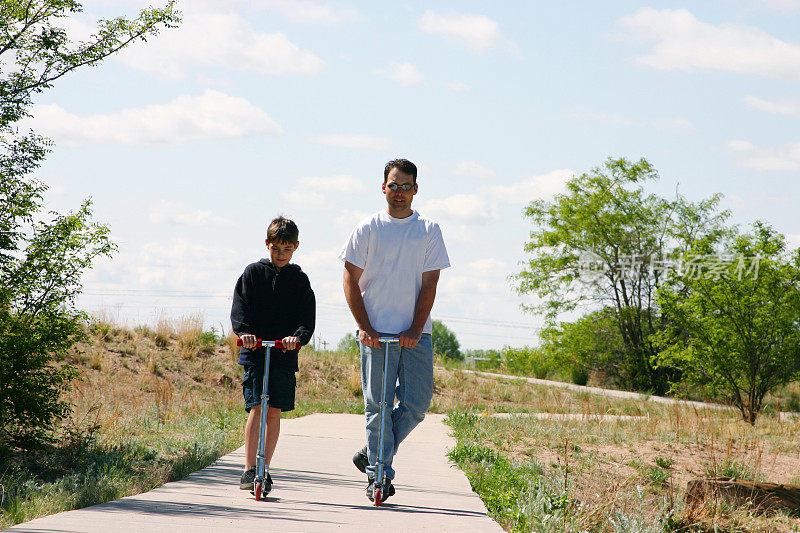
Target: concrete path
[605,392]
[317,488]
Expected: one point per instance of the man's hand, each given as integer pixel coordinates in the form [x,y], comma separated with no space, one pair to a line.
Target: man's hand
[369,338]
[290,343]
[409,338]
[249,341]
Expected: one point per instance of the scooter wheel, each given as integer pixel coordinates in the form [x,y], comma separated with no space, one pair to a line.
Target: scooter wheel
[257,491]
[377,495]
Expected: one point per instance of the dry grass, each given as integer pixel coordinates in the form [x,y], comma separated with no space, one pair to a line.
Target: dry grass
[144,387]
[230,344]
[640,468]
[189,330]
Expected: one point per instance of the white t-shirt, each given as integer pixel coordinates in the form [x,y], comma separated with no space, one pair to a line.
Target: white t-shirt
[394,252]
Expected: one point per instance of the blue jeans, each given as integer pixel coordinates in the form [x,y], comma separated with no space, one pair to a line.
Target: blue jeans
[410,379]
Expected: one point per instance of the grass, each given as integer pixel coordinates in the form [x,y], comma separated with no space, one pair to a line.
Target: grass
[616,476]
[146,414]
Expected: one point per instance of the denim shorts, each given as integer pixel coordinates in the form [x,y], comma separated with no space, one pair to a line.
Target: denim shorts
[282,383]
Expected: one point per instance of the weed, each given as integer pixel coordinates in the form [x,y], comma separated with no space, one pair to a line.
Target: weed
[731,469]
[230,343]
[164,331]
[96,359]
[354,381]
[655,475]
[664,462]
[152,367]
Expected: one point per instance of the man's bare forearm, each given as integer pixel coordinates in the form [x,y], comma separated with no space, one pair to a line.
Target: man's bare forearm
[352,293]
[423,308]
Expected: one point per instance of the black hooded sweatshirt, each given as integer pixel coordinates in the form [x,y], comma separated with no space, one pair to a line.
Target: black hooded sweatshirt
[272,304]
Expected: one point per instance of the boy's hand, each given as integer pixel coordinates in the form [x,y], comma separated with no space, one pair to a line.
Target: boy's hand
[290,343]
[409,338]
[369,338]
[249,341]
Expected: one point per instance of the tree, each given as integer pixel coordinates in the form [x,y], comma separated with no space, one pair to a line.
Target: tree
[445,342]
[591,343]
[348,344]
[736,326]
[603,243]
[42,256]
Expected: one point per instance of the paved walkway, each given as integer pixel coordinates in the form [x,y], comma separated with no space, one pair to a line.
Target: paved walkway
[317,488]
[606,392]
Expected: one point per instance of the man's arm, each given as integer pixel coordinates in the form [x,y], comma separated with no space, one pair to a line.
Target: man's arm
[352,293]
[427,294]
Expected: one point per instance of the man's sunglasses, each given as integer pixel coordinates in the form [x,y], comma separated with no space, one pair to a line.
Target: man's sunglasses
[395,186]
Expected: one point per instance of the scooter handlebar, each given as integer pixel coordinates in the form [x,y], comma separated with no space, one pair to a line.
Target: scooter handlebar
[388,339]
[264,344]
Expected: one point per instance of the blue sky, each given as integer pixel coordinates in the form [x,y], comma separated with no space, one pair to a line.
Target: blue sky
[189,144]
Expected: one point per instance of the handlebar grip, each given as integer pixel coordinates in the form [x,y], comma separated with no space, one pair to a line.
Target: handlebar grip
[276,344]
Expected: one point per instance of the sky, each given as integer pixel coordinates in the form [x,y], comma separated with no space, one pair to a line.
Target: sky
[190,143]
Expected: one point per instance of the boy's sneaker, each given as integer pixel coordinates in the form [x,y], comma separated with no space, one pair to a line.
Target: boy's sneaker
[361,460]
[388,490]
[248,477]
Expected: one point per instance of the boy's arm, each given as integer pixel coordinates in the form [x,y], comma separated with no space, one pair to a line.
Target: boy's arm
[427,294]
[308,315]
[352,293]
[240,308]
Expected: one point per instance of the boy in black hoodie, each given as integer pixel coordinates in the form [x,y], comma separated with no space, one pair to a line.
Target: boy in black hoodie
[273,300]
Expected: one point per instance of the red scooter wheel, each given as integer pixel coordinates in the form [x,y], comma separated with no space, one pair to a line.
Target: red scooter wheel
[258,491]
[377,495]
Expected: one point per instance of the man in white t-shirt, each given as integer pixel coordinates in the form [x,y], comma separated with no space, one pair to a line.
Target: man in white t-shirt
[391,267]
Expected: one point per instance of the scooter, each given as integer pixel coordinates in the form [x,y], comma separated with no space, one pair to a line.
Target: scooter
[380,477]
[258,483]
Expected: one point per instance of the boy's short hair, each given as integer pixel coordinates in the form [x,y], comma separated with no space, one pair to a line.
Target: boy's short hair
[282,229]
[403,165]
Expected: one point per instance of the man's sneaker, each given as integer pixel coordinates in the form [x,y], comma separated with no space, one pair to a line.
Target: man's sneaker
[388,490]
[361,460]
[248,476]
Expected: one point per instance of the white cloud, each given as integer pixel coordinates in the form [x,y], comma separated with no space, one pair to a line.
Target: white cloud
[305,198]
[685,43]
[405,73]
[311,12]
[308,191]
[740,146]
[602,117]
[783,5]
[789,108]
[461,209]
[457,86]
[476,32]
[177,214]
[366,142]
[472,169]
[783,159]
[534,187]
[181,264]
[214,115]
[676,125]
[339,183]
[222,40]
[487,204]
[350,218]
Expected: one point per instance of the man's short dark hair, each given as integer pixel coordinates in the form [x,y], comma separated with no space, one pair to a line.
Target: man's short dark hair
[282,230]
[403,165]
